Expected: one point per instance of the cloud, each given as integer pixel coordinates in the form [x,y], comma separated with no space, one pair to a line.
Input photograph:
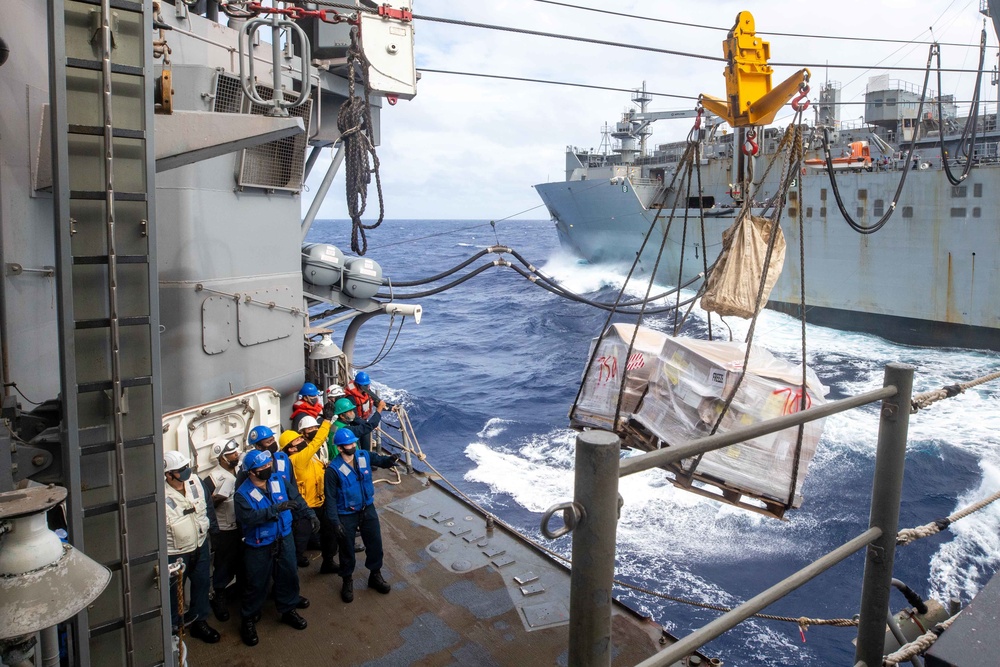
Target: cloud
[471,148]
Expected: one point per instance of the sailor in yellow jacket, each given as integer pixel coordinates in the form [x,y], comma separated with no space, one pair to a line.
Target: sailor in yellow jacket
[309,474]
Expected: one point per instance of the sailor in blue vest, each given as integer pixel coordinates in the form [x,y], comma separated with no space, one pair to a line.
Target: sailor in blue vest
[264,512]
[350,497]
[262,439]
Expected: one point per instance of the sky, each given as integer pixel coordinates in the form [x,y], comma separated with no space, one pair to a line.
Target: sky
[468,148]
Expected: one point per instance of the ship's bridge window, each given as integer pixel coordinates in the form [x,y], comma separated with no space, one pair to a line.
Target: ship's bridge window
[907,211]
[890,101]
[959,191]
[977,189]
[958,212]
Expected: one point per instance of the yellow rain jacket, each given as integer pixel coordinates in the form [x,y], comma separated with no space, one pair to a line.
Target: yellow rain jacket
[309,470]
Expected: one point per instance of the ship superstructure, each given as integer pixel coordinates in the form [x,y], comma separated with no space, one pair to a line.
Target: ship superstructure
[927,277]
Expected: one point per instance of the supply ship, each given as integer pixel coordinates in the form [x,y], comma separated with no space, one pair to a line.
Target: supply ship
[928,277]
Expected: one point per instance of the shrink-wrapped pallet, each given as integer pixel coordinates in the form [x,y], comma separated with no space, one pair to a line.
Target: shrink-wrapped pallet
[602,383]
[688,386]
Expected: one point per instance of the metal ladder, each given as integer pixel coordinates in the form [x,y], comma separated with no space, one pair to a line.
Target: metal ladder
[103,167]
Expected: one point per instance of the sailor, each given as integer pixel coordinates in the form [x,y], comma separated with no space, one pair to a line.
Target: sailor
[308,404]
[188,525]
[308,427]
[227,542]
[366,400]
[350,494]
[309,476]
[262,439]
[347,417]
[264,511]
[333,392]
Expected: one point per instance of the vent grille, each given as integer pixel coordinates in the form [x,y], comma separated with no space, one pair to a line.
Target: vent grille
[276,165]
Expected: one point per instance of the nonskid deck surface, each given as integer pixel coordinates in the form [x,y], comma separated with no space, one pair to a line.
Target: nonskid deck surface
[454,600]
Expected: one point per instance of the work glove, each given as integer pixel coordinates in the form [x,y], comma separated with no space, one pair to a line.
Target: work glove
[393,460]
[328,411]
[281,507]
[314,523]
[339,529]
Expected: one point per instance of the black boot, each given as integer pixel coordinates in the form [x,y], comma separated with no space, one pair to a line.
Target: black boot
[328,567]
[220,605]
[376,582]
[293,619]
[203,631]
[248,631]
[347,590]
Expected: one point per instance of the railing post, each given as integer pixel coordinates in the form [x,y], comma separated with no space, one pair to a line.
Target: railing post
[887,488]
[596,494]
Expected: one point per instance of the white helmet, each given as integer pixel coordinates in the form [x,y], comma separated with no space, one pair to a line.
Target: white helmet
[307,422]
[227,447]
[174,461]
[335,391]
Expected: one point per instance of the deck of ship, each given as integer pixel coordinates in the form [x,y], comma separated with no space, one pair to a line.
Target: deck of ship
[454,600]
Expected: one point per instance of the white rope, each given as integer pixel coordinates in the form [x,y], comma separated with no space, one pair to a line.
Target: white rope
[918,645]
[927,398]
[908,535]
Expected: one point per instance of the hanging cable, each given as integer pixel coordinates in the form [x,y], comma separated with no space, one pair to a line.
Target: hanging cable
[871,229]
[973,120]
[357,131]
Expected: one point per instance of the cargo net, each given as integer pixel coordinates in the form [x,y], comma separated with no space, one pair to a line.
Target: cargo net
[656,390]
[276,165]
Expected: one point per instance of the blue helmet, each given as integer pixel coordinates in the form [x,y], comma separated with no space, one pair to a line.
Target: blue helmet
[309,389]
[362,378]
[258,433]
[344,436]
[256,458]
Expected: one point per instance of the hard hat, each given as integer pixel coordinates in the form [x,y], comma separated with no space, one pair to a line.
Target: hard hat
[344,436]
[362,378]
[174,461]
[335,391]
[287,437]
[307,422]
[309,389]
[343,405]
[258,433]
[256,458]
[227,447]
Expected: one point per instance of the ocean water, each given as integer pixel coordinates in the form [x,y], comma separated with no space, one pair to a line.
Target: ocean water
[490,373]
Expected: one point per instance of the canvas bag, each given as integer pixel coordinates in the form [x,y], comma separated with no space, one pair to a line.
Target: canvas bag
[733,283]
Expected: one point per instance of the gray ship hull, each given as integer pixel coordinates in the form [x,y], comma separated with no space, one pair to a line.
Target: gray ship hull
[930,277]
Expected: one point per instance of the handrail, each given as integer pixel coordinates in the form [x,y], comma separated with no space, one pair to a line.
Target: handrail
[733,618]
[669,455]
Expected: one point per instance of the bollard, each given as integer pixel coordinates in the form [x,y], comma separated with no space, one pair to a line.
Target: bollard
[596,493]
[887,486]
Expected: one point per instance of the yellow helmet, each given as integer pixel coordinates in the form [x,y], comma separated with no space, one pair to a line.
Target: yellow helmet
[287,437]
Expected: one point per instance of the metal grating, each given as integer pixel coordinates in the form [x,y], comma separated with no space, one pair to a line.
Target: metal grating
[276,165]
[228,94]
